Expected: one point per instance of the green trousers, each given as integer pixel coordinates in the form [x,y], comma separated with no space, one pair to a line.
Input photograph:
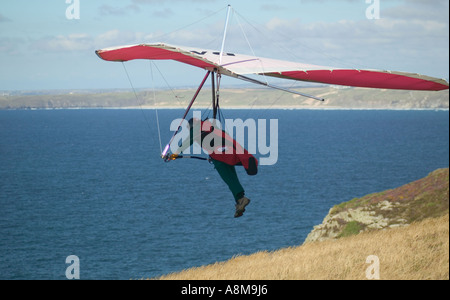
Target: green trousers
[229,176]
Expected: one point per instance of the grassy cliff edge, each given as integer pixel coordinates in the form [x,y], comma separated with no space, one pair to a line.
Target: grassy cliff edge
[406,228]
[425,198]
[416,252]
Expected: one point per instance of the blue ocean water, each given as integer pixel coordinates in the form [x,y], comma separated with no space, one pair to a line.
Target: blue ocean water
[91,183]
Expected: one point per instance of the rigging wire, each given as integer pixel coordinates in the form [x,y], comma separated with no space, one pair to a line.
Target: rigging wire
[139,102]
[250,46]
[340,61]
[156,108]
[253,103]
[172,90]
[191,24]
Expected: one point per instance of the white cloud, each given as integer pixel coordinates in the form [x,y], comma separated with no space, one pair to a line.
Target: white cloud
[135,7]
[390,42]
[118,11]
[170,1]
[71,42]
[117,37]
[83,41]
[416,40]
[423,10]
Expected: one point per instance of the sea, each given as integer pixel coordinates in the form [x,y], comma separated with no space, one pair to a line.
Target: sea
[90,184]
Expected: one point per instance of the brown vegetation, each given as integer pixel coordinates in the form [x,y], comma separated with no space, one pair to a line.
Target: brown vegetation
[424,198]
[418,251]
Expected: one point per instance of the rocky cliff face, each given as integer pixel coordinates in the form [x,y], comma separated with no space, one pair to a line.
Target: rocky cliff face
[427,197]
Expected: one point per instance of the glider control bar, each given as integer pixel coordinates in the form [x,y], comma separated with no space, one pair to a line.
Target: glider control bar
[176,156]
[245,78]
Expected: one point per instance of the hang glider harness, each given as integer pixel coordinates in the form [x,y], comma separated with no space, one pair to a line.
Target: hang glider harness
[235,65]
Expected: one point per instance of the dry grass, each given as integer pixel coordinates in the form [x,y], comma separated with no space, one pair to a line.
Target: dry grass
[419,251]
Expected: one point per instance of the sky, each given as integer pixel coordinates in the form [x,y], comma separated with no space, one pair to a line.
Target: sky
[50,44]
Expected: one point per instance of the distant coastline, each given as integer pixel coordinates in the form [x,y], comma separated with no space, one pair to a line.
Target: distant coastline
[229,108]
[232,98]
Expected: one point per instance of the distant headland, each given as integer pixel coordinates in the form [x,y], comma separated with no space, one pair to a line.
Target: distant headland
[335,98]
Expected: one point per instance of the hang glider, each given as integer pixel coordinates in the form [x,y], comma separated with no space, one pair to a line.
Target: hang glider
[238,66]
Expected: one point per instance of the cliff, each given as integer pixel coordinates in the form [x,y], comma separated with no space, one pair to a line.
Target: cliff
[421,199]
[418,251]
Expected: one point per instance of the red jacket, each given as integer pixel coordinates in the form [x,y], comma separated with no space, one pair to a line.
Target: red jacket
[227,150]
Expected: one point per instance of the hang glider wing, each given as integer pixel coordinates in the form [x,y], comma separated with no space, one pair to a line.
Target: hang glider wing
[237,65]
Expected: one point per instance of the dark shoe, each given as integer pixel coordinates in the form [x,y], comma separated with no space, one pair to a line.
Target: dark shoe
[252,166]
[240,206]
